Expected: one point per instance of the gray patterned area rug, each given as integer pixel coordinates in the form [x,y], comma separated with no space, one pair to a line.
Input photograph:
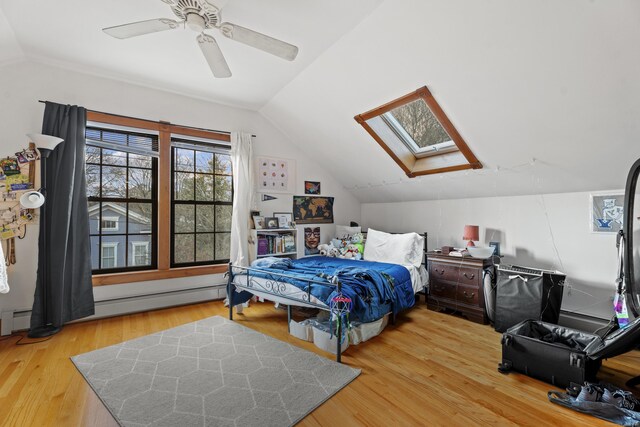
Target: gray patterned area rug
[213,372]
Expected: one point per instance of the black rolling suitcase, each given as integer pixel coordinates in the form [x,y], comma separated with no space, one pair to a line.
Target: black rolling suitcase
[560,355]
[548,352]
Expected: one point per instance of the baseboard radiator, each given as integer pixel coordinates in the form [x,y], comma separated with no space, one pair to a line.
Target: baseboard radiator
[18,320]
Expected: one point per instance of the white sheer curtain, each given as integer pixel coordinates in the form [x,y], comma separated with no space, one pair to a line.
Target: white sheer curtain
[243,196]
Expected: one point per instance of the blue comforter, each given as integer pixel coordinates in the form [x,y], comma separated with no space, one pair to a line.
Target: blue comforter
[375,288]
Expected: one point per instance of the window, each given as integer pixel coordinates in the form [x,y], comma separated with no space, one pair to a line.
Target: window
[110,223]
[162,194]
[418,135]
[109,255]
[201,199]
[122,180]
[140,253]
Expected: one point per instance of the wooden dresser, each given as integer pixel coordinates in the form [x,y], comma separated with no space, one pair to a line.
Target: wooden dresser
[456,284]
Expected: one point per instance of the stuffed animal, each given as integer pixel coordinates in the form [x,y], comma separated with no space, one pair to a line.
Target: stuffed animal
[324,249]
[357,238]
[333,252]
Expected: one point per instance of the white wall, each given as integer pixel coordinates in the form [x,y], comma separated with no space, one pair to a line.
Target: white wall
[527,227]
[23,84]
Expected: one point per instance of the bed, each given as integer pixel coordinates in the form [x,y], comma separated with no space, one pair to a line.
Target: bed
[384,283]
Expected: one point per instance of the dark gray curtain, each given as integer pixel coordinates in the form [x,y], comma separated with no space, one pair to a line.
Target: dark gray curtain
[68,252]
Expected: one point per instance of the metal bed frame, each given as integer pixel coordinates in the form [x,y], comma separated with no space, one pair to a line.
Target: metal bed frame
[275,284]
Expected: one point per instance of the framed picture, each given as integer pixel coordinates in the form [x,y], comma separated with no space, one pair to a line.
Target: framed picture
[311,240]
[270,222]
[284,219]
[607,212]
[275,175]
[495,245]
[313,210]
[312,187]
[258,222]
[251,215]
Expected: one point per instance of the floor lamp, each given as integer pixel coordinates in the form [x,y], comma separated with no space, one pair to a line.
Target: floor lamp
[45,144]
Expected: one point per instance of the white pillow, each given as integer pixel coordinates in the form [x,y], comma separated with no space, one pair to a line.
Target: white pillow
[343,231]
[400,249]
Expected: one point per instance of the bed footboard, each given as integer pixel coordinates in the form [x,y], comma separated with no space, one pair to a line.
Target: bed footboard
[240,278]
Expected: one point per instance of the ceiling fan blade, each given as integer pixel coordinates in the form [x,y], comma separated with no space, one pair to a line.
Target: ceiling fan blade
[259,41]
[140,28]
[214,56]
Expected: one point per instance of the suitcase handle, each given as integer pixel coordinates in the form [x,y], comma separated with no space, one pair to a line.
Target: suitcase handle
[469,296]
[471,276]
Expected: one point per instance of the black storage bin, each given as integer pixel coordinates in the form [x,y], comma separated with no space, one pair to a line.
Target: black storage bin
[549,352]
[526,293]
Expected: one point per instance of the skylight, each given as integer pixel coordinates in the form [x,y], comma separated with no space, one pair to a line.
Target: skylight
[414,130]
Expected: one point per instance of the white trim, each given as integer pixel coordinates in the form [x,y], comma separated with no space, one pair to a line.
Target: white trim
[135,245]
[431,150]
[113,245]
[115,219]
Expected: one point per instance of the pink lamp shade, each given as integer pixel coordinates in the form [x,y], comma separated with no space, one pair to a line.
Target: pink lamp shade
[471,233]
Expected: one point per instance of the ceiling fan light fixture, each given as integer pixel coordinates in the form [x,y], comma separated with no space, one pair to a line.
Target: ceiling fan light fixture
[195,22]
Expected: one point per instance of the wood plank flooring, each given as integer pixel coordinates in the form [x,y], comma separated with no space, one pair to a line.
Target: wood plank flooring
[429,369]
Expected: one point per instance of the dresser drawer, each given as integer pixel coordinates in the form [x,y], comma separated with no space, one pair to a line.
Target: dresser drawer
[469,276]
[443,289]
[467,295]
[445,272]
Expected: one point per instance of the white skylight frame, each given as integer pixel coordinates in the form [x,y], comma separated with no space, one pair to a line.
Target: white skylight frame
[403,135]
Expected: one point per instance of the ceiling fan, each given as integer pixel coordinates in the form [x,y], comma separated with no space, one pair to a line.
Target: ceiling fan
[201,15]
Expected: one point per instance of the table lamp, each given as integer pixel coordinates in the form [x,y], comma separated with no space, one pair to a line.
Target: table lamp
[471,233]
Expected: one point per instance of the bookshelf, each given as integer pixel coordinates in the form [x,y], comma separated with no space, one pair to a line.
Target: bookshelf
[274,242]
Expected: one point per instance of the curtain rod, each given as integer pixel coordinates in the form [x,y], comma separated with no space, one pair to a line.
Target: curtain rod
[147,120]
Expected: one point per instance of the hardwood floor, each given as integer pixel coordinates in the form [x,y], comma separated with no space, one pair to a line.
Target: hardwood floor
[428,369]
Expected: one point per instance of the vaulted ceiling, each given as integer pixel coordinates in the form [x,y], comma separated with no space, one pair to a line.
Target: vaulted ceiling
[554,81]
[68,33]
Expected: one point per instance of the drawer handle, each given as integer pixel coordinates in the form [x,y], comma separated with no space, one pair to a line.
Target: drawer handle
[440,288]
[469,276]
[469,296]
[439,271]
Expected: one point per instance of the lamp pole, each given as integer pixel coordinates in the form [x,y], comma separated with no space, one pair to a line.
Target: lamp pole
[45,144]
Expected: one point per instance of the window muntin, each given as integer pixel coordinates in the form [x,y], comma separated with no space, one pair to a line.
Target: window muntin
[201,201]
[416,133]
[122,195]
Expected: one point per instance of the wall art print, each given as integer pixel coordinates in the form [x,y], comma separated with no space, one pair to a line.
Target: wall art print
[275,175]
[311,240]
[312,187]
[607,212]
[312,210]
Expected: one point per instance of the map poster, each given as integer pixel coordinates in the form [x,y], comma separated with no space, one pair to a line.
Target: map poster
[312,210]
[275,175]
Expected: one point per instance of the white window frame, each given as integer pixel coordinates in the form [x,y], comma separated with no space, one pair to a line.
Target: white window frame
[135,245]
[113,245]
[115,219]
[403,135]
